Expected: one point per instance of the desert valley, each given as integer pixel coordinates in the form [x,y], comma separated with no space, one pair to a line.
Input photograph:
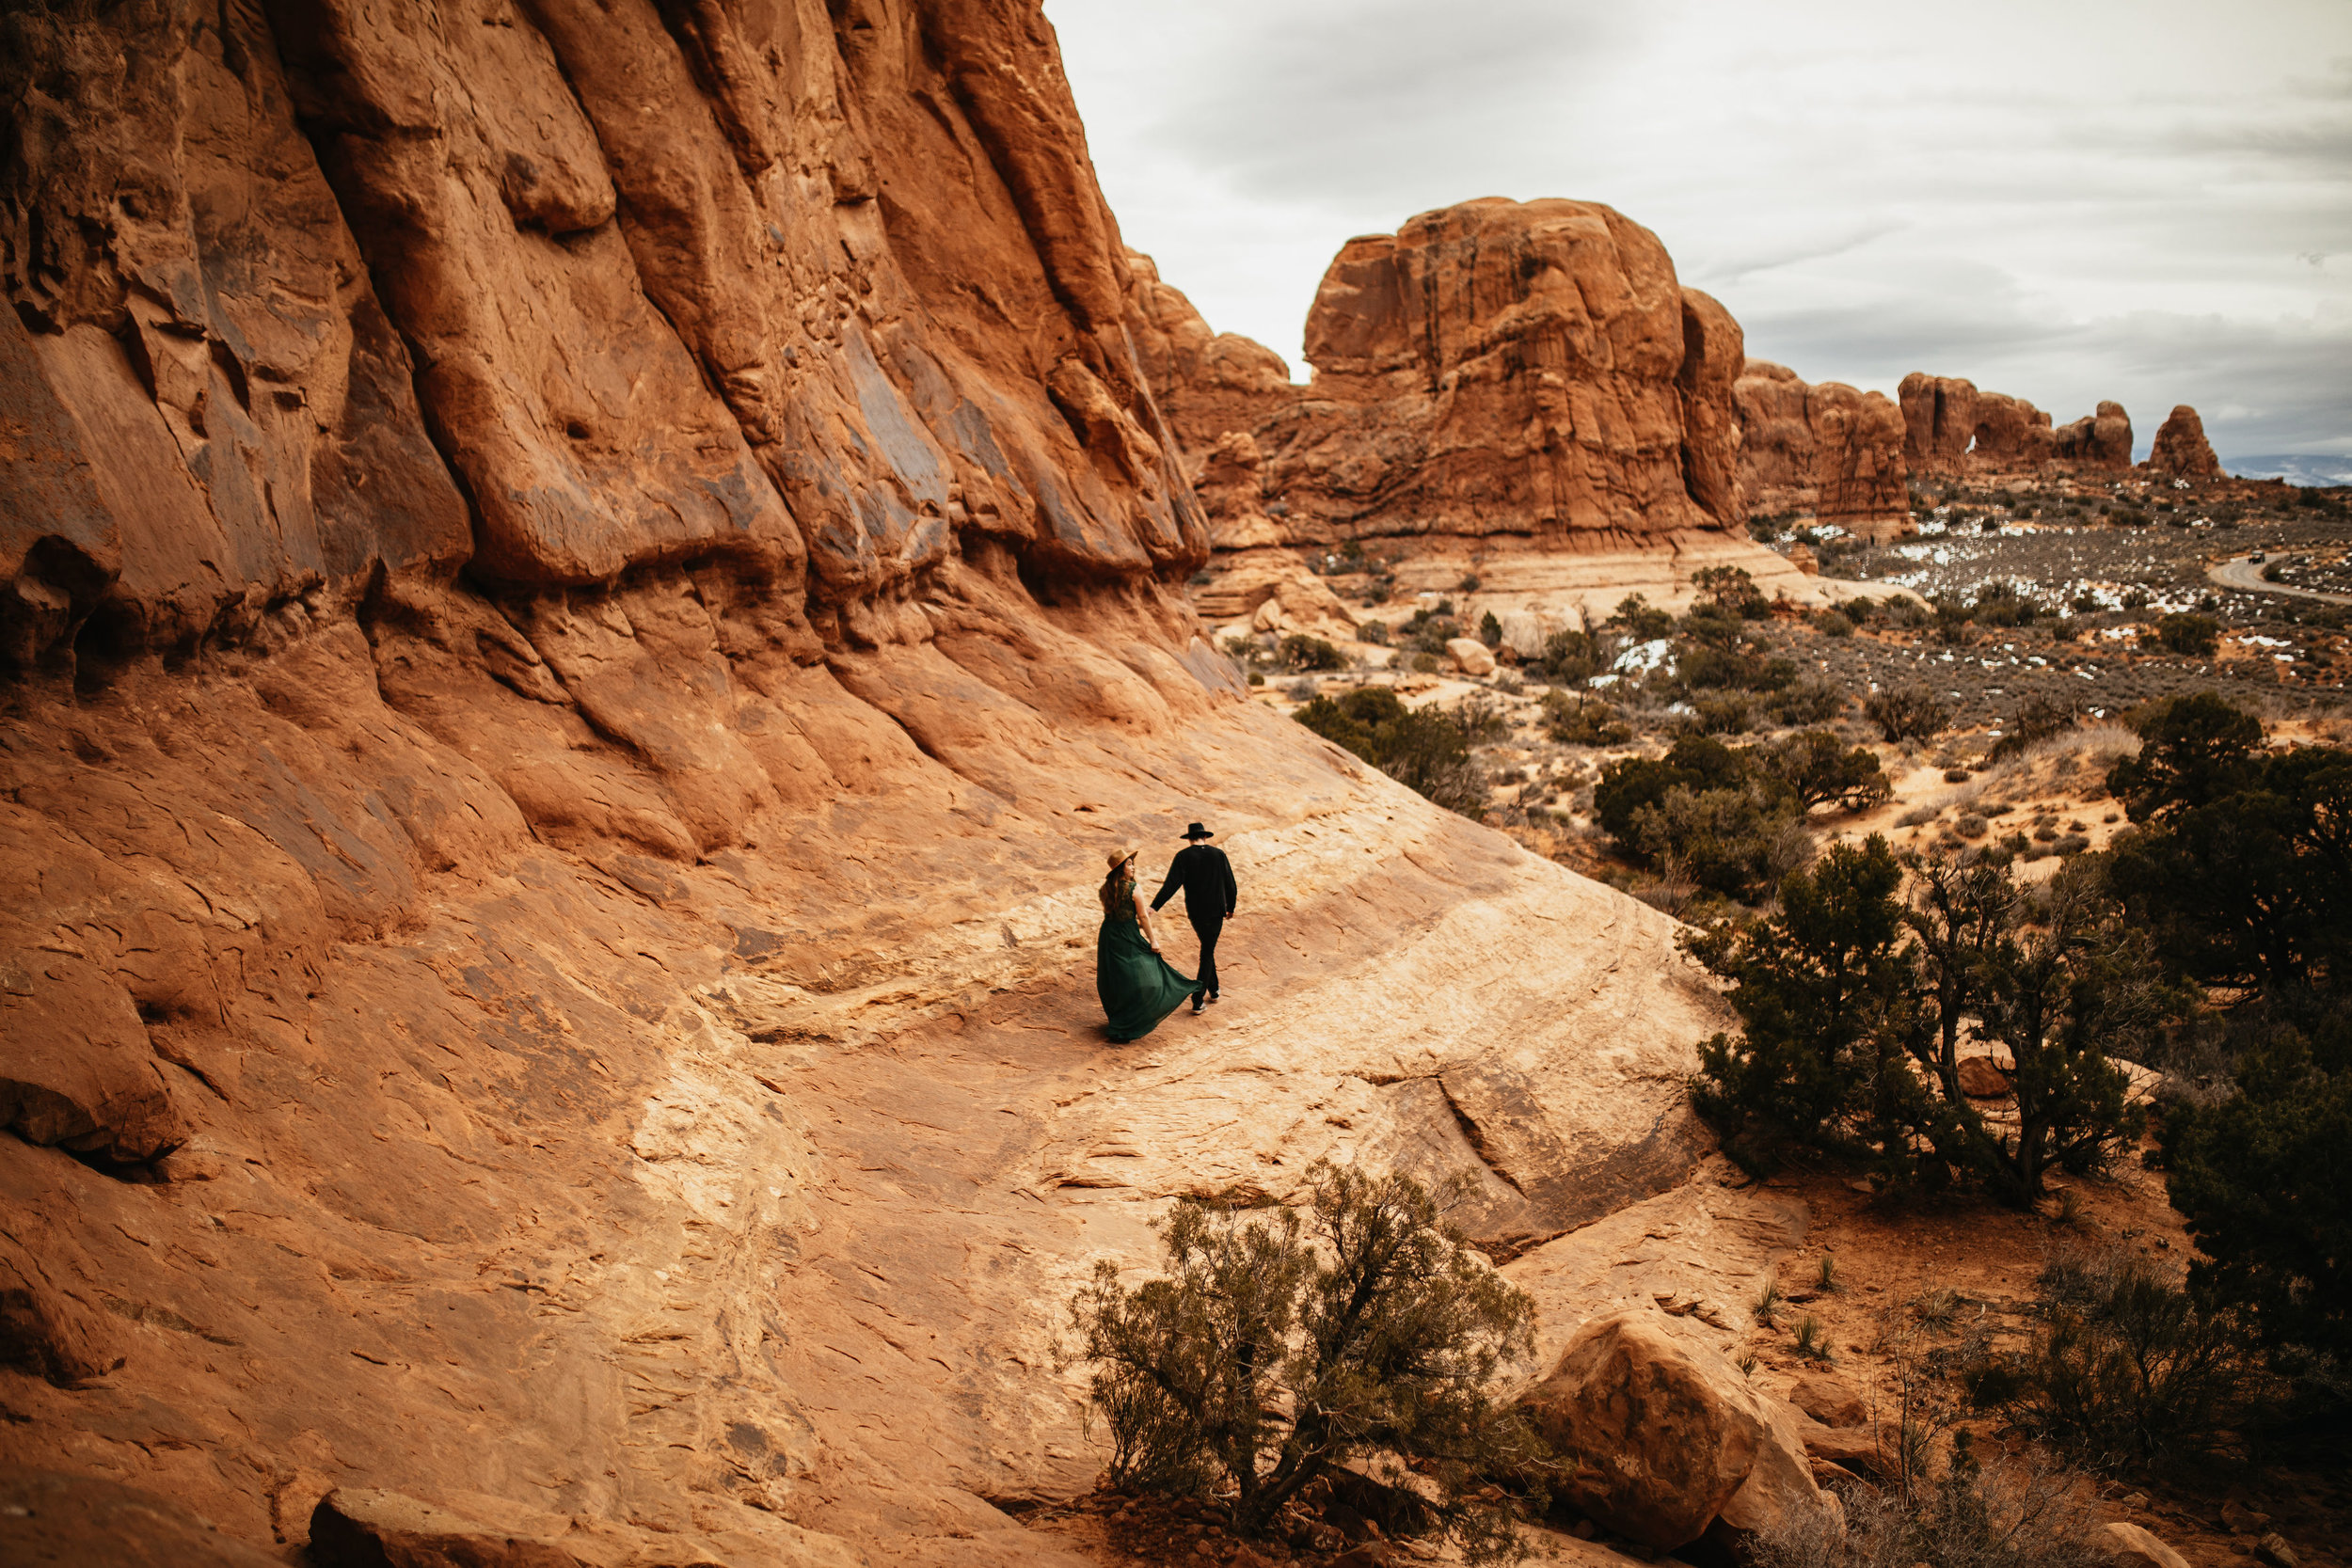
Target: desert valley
[584,589]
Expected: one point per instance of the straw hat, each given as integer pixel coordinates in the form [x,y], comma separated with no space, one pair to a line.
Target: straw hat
[1122,856]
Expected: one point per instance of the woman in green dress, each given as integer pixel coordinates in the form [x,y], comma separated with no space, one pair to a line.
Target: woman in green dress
[1138,988]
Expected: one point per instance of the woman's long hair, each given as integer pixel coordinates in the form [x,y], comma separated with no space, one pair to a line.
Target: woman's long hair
[1118,888]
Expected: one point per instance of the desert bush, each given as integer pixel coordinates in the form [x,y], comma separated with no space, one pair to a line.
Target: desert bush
[1905,713]
[1298,651]
[2190,636]
[1729,713]
[1277,1349]
[1731,590]
[1830,623]
[2131,1367]
[1811,700]
[2038,718]
[1730,824]
[1569,657]
[1490,631]
[1427,752]
[1821,769]
[2002,605]
[1582,722]
[1375,632]
[2011,1511]
[1640,620]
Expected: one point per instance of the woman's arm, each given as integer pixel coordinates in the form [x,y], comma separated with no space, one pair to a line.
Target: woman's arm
[1143,922]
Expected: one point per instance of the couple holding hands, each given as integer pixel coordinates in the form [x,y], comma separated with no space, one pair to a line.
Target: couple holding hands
[1137,985]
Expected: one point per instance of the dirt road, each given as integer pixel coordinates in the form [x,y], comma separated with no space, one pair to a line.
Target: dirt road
[2243,575]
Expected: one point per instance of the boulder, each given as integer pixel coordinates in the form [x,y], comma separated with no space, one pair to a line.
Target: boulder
[1470,656]
[2272,1549]
[2101,441]
[1939,418]
[2130,1545]
[1979,1079]
[76,1069]
[1852,1447]
[1667,1440]
[354,1528]
[1273,591]
[2181,450]
[1832,1402]
[1492,367]
[1526,633]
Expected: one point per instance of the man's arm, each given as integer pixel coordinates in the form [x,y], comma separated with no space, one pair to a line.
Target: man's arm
[1233,892]
[1175,880]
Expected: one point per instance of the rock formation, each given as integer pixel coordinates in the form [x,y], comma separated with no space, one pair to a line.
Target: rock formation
[584,586]
[1492,369]
[1951,426]
[2181,450]
[1826,452]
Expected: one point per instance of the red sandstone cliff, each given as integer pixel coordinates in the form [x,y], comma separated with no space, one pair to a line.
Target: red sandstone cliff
[2180,449]
[1827,451]
[585,586]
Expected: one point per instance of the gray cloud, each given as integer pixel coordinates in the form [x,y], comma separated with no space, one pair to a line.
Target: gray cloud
[2108,199]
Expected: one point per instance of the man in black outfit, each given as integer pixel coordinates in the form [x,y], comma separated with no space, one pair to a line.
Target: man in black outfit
[1207,877]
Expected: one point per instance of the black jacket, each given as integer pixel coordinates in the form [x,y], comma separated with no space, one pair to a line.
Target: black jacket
[1206,877]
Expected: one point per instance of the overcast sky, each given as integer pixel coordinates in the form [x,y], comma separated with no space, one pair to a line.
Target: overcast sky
[2148,200]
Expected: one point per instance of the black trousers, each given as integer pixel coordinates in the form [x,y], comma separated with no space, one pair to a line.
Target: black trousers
[1207,931]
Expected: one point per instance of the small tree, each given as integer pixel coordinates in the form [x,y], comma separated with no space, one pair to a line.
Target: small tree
[1490,631]
[1905,713]
[1822,771]
[1820,987]
[1276,1351]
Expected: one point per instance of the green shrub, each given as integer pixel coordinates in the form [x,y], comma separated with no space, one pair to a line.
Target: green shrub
[1274,1352]
[1298,651]
[2131,1367]
[1730,589]
[2038,718]
[1819,770]
[1569,658]
[1730,713]
[1427,752]
[1640,621]
[1812,700]
[1490,631]
[2190,636]
[1905,713]
[1832,623]
[1582,722]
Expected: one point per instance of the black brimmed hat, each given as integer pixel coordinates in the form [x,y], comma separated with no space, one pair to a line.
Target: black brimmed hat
[1197,831]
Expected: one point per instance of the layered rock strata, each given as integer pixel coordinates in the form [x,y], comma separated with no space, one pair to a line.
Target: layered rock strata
[1493,368]
[586,588]
[1825,451]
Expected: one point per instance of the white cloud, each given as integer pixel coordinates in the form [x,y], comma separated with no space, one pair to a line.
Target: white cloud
[2150,201]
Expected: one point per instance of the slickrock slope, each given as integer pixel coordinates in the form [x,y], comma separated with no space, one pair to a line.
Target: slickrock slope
[1827,451]
[1951,426]
[586,588]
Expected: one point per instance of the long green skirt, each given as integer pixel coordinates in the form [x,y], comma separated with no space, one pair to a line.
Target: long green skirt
[1138,988]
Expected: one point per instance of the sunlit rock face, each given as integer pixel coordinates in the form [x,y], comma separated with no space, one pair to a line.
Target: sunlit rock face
[2180,449]
[584,589]
[1493,369]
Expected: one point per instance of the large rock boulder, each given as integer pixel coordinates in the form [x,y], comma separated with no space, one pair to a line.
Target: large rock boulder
[2097,441]
[2181,450]
[1939,418]
[1494,367]
[2131,1547]
[1827,450]
[1667,1441]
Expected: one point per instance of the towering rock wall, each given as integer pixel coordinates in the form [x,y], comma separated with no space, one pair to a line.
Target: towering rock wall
[1828,451]
[585,588]
[297,295]
[1492,369]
